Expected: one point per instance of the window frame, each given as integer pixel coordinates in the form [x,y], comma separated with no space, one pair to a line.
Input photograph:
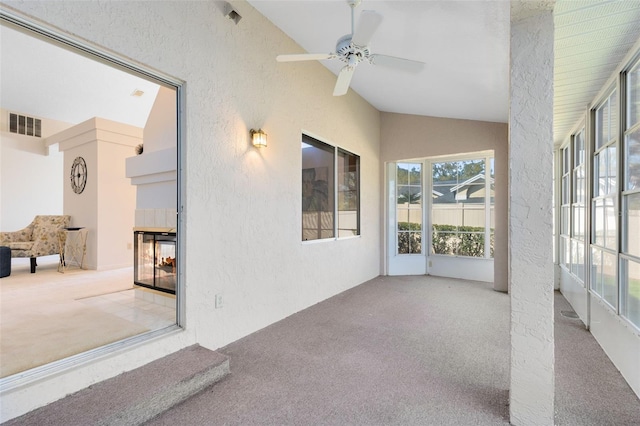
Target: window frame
[115,60]
[409,232]
[578,204]
[489,162]
[566,192]
[607,199]
[334,199]
[628,128]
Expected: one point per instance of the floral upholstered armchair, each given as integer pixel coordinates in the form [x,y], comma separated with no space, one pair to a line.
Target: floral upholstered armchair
[40,238]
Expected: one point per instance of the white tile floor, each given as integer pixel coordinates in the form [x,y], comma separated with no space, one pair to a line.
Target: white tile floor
[47,301]
[126,305]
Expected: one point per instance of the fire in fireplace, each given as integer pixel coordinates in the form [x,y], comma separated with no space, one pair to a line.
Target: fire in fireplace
[154,263]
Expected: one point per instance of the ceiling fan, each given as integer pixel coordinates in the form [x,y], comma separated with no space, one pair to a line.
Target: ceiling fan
[354,48]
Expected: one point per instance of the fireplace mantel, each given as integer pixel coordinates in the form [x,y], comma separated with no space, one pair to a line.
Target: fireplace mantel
[153,167]
[152,229]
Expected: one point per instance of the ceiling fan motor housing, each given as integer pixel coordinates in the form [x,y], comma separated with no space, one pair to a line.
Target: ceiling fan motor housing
[350,53]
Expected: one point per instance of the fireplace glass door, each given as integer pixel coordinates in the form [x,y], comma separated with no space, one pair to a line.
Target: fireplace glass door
[155,260]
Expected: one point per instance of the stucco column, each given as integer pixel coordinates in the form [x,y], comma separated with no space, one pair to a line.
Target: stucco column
[530,219]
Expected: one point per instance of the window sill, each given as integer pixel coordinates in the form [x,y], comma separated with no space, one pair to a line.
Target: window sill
[328,240]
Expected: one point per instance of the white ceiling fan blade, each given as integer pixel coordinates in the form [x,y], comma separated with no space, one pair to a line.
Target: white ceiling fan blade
[397,63]
[369,22]
[344,79]
[304,57]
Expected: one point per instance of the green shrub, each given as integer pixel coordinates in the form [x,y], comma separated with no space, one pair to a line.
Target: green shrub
[409,242]
[446,239]
[459,240]
[409,226]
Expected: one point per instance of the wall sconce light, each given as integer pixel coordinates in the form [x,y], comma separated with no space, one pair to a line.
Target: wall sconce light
[259,138]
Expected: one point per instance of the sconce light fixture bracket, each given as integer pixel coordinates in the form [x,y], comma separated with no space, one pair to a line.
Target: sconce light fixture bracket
[231,13]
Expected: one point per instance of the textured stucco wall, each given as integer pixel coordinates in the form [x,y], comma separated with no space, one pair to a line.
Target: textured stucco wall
[242,206]
[530,220]
[405,136]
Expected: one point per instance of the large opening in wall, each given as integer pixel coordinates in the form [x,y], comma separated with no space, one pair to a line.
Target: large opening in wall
[442,216]
[101,168]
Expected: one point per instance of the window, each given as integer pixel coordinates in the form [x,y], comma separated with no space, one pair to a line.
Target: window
[462,207]
[630,253]
[330,191]
[348,194]
[604,226]
[409,207]
[609,241]
[578,200]
[565,201]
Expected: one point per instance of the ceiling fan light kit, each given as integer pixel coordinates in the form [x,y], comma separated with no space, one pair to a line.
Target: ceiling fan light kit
[354,48]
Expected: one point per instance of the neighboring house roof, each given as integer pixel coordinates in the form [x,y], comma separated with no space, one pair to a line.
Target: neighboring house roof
[471,190]
[470,181]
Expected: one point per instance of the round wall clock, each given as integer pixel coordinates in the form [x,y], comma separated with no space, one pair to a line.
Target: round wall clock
[78,175]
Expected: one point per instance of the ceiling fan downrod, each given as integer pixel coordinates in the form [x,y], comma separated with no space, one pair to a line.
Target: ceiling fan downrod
[353,4]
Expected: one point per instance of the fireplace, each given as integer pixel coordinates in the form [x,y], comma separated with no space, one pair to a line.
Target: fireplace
[154,263]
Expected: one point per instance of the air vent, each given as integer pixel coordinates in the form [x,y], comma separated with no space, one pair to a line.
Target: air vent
[24,125]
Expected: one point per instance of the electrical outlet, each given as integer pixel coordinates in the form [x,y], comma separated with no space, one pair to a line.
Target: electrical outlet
[218,301]
[129,246]
[430,264]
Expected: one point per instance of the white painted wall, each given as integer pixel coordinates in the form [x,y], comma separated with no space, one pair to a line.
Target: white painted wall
[160,131]
[83,208]
[30,175]
[618,339]
[106,206]
[242,210]
[115,208]
[154,175]
[154,172]
[575,292]
[464,268]
[411,136]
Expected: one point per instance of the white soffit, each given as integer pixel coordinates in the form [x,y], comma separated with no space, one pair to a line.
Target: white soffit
[591,39]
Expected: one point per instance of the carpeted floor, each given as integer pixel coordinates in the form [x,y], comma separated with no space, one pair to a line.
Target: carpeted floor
[589,388]
[402,351]
[393,351]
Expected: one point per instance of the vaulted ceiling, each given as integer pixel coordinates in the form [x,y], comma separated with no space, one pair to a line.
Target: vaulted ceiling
[464,45]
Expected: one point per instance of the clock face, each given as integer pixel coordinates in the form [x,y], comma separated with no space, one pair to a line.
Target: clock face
[78,175]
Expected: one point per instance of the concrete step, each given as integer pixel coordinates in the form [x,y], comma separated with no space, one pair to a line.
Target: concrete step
[135,396]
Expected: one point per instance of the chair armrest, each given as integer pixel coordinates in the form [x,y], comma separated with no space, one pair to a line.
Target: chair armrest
[22,235]
[47,243]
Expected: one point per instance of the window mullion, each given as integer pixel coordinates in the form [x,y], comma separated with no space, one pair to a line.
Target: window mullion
[336,190]
[487,207]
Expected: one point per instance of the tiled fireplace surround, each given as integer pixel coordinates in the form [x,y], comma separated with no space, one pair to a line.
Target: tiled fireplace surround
[154,174]
[157,220]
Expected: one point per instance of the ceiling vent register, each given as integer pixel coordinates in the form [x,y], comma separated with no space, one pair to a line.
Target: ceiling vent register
[23,125]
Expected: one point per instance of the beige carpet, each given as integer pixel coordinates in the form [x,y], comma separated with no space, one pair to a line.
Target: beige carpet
[43,318]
